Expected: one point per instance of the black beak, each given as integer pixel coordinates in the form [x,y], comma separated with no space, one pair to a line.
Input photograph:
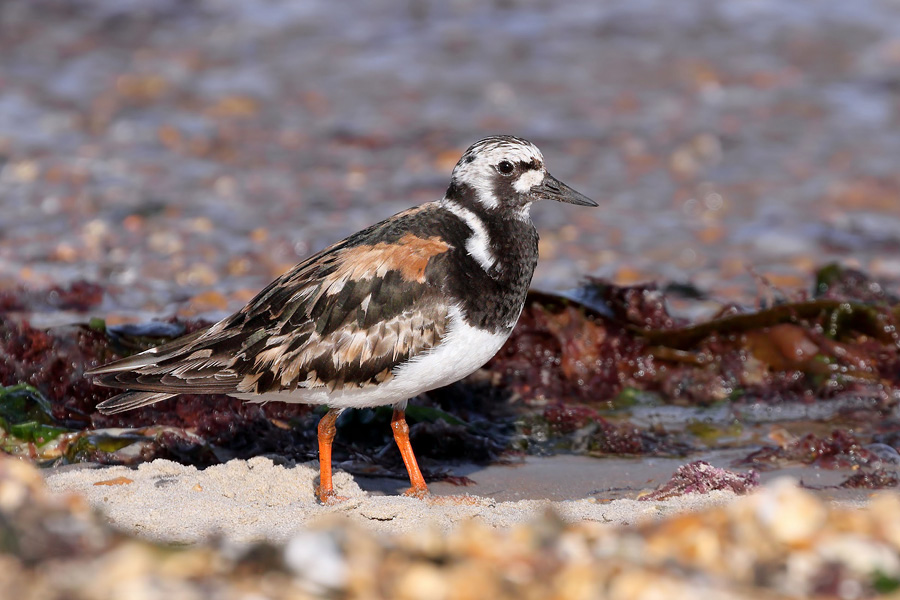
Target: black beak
[554,189]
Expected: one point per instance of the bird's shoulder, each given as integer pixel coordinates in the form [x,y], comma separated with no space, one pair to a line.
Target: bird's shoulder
[382,267]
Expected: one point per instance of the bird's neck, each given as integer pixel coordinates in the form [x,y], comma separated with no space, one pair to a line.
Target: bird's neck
[505,246]
[503,237]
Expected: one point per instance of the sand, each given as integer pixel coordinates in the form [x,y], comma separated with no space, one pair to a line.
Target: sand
[254,500]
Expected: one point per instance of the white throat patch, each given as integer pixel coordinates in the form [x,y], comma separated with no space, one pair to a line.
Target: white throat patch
[478,245]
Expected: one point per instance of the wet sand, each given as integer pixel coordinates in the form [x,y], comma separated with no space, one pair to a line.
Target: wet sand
[256,500]
[570,477]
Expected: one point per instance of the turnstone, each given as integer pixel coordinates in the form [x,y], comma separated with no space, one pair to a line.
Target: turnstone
[408,305]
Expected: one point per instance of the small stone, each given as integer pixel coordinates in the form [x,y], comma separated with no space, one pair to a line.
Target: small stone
[422,582]
[115,481]
[316,558]
[788,513]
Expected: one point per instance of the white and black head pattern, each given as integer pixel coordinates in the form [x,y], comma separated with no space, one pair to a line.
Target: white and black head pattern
[495,182]
[506,174]
[500,171]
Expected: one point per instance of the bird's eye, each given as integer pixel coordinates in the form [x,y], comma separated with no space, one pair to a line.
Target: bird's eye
[505,167]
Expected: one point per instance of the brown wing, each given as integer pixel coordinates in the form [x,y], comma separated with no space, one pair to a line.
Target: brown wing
[345,317]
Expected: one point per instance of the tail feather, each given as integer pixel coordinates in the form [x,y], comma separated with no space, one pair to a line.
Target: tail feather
[147,357]
[131,400]
[177,367]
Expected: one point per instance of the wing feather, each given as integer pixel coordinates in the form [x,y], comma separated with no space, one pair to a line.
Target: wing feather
[344,317]
[131,400]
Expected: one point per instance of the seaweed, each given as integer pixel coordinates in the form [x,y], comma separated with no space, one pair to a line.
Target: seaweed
[581,430]
[843,317]
[872,480]
[589,346]
[572,372]
[700,477]
[840,450]
[26,422]
[78,296]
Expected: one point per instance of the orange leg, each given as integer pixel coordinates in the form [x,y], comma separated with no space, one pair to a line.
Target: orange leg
[327,431]
[401,436]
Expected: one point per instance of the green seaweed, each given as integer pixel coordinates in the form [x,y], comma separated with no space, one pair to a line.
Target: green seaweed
[21,403]
[97,324]
[37,433]
[27,427]
[431,414]
[711,433]
[827,277]
[25,415]
[883,583]
[87,447]
[632,396]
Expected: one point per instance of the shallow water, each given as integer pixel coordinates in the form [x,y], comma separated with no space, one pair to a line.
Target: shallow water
[569,477]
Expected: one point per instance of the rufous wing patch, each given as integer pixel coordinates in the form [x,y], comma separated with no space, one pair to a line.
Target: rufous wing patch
[409,256]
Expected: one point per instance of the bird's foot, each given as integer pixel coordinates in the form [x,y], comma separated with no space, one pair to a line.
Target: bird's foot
[417,492]
[329,497]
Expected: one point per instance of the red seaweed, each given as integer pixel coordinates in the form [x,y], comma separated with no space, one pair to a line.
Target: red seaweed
[872,480]
[559,384]
[700,477]
[838,451]
[79,296]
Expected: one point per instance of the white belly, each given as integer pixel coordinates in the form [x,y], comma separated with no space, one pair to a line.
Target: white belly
[462,351]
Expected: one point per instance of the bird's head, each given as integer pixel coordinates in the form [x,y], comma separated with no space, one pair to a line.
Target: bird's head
[506,173]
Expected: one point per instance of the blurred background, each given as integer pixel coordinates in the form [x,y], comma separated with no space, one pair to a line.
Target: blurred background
[183,153]
[171,157]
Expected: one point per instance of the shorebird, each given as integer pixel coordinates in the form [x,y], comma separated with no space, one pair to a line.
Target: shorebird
[410,304]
